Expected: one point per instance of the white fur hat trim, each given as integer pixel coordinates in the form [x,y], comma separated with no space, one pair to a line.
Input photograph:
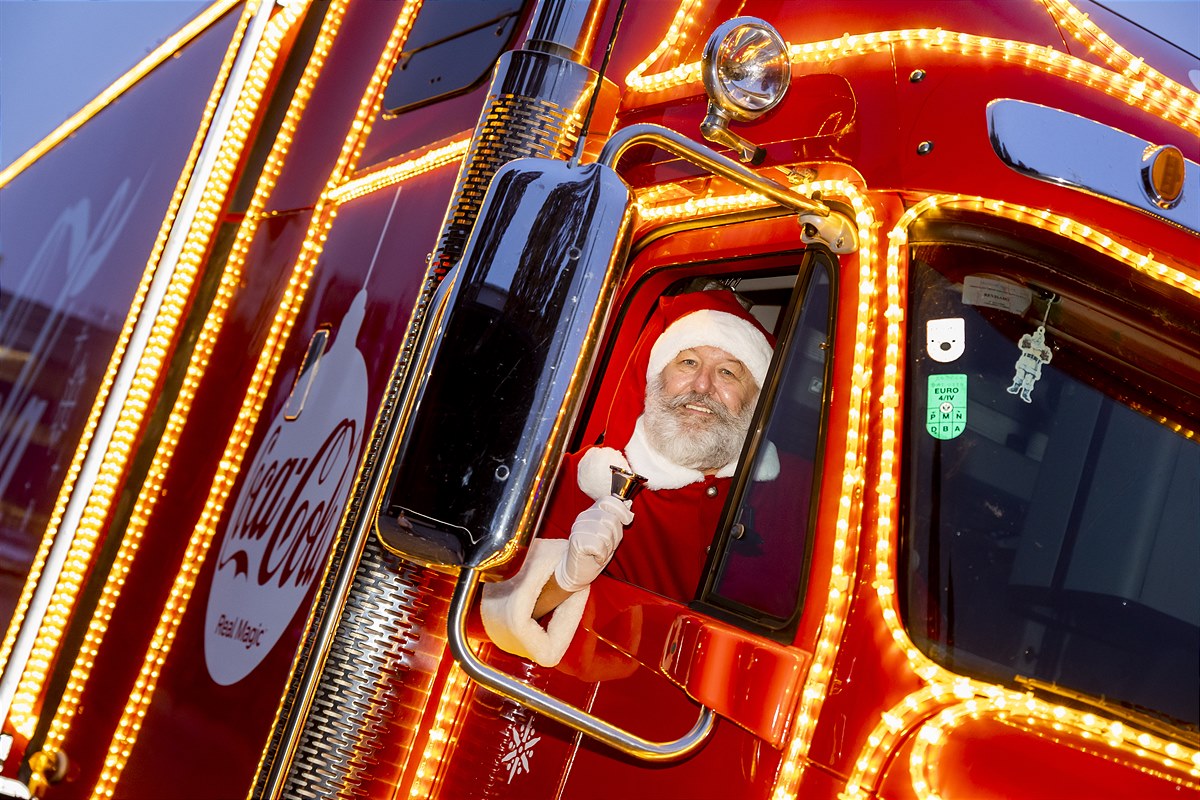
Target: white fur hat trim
[507,608]
[710,328]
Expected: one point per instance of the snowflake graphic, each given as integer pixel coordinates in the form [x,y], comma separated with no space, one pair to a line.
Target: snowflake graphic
[521,749]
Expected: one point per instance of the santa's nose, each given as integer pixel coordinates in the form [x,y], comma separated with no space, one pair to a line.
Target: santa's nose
[702,382]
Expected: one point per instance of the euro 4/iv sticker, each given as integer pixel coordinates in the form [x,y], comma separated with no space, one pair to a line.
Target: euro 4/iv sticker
[947,406]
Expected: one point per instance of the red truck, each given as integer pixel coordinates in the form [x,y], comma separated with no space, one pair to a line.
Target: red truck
[299,318]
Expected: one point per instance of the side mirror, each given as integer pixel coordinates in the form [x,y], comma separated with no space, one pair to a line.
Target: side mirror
[495,395]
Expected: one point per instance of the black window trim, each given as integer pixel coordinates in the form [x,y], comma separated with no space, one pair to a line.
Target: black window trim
[707,600]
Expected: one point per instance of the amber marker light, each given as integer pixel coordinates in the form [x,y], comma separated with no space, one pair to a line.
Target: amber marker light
[1163,170]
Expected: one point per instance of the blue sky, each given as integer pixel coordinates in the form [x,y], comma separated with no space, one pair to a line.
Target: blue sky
[52,61]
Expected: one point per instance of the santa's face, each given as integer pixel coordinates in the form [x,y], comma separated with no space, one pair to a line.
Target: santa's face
[711,372]
[699,408]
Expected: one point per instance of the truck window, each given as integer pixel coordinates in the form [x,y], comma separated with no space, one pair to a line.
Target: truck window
[760,560]
[1051,484]
[452,47]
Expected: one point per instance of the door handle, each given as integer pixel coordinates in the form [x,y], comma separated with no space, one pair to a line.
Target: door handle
[558,710]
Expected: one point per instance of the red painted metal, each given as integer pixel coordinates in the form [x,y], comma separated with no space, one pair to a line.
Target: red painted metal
[639,661]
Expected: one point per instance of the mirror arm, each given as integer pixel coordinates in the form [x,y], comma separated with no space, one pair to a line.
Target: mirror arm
[709,159]
[559,711]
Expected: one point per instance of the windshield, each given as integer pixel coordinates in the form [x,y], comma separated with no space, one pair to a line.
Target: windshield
[1052,476]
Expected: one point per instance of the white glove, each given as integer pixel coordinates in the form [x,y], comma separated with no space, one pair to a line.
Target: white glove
[594,538]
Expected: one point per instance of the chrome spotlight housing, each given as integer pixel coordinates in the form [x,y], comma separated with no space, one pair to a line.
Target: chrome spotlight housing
[746,72]
[746,68]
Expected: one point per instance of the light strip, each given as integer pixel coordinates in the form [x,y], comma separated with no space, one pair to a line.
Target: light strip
[846,538]
[389,176]
[673,41]
[1104,46]
[1043,720]
[944,688]
[156,57]
[322,219]
[1135,84]
[56,555]
[247,107]
[436,745]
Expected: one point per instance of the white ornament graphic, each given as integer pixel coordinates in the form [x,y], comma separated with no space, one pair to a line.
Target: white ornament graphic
[520,749]
[278,533]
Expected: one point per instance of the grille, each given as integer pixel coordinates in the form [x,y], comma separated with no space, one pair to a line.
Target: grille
[375,683]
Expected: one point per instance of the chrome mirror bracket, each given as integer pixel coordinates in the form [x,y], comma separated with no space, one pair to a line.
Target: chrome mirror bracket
[559,711]
[715,128]
[836,231]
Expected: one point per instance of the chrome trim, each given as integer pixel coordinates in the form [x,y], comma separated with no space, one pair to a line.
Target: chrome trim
[548,297]
[1059,147]
[709,159]
[558,710]
[567,27]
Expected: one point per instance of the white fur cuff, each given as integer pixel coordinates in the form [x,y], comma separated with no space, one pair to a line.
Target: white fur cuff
[507,608]
[594,472]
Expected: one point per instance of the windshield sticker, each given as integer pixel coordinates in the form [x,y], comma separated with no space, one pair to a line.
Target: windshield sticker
[995,293]
[1034,353]
[945,339]
[947,406]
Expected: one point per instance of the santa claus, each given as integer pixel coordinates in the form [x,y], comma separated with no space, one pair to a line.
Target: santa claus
[679,418]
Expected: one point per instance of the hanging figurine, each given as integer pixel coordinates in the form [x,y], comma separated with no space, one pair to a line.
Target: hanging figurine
[1034,353]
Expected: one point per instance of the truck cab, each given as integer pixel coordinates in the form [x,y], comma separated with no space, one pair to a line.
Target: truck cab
[353,364]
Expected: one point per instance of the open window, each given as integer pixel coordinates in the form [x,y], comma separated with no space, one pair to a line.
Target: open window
[1051,518]
[758,546]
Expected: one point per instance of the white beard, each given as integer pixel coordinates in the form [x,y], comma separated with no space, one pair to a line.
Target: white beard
[704,443]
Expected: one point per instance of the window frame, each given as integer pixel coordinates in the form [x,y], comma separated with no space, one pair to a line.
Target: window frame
[707,597]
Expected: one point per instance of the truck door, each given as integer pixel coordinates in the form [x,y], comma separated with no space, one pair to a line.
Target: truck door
[741,643]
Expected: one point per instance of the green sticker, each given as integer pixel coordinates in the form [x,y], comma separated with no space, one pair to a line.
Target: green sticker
[946,416]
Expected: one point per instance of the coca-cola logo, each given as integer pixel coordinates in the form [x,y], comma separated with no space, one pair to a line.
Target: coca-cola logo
[283,524]
[288,508]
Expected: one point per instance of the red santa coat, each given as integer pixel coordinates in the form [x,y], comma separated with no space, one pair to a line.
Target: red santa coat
[665,547]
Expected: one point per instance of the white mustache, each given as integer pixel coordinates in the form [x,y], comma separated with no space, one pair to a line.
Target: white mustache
[701,402]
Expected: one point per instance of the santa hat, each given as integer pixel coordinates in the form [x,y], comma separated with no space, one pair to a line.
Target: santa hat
[744,340]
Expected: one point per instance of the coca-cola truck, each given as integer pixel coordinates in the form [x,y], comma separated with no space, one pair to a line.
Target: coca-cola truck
[299,319]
